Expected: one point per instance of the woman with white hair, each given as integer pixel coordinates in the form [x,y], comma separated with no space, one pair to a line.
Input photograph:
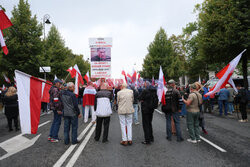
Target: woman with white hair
[125,100]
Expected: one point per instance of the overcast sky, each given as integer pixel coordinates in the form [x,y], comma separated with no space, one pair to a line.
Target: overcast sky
[131,23]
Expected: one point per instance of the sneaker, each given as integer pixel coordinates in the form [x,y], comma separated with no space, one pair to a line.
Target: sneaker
[180,140]
[199,140]
[242,120]
[192,141]
[204,131]
[137,123]
[49,138]
[54,140]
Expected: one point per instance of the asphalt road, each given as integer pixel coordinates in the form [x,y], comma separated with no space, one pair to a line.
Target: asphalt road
[225,132]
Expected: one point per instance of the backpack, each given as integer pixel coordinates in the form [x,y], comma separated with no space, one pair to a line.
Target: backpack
[169,101]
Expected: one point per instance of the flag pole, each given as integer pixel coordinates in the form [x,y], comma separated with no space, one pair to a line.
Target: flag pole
[66,78]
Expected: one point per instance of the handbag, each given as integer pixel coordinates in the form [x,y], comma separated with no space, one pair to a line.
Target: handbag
[199,105]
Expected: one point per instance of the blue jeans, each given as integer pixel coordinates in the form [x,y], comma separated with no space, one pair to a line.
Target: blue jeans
[135,113]
[183,110]
[176,117]
[70,121]
[55,125]
[221,104]
[230,107]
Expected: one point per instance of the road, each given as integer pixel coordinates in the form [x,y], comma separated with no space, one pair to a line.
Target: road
[224,133]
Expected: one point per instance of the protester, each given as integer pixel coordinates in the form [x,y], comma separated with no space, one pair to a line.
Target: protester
[71,113]
[199,88]
[223,100]
[149,102]
[172,108]
[193,108]
[232,93]
[183,108]
[135,104]
[89,102]
[125,100]
[103,112]
[80,97]
[56,106]
[242,100]
[11,107]
[206,100]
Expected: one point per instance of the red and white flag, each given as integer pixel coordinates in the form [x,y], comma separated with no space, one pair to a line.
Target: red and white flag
[3,88]
[72,72]
[6,78]
[89,96]
[4,20]
[153,81]
[160,88]
[123,73]
[225,76]
[3,45]
[86,77]
[45,91]
[133,78]
[29,100]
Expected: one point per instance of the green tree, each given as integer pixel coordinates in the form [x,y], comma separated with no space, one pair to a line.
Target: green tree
[23,42]
[56,54]
[224,31]
[160,53]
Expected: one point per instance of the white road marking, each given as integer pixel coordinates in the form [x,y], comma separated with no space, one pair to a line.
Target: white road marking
[43,124]
[17,144]
[72,147]
[212,144]
[159,111]
[80,148]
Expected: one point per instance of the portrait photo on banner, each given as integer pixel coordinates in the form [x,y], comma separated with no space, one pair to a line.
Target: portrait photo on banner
[100,54]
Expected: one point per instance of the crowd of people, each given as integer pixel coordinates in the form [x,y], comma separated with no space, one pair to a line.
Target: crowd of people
[98,103]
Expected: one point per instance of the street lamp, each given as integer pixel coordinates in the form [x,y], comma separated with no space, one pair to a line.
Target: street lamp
[45,21]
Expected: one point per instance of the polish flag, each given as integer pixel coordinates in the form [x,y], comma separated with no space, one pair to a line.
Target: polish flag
[123,73]
[55,77]
[72,72]
[6,78]
[86,77]
[160,88]
[153,81]
[3,88]
[45,91]
[4,20]
[29,100]
[77,83]
[110,83]
[79,74]
[225,76]
[3,45]
[89,96]
[133,78]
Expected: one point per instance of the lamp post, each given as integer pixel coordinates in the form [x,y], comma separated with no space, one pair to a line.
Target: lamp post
[45,21]
[46,18]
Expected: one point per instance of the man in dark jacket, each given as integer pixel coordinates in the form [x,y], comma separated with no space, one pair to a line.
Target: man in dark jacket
[173,109]
[71,113]
[149,102]
[56,106]
[242,100]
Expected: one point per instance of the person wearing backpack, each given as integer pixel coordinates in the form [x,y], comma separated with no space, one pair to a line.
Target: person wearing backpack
[193,104]
[149,102]
[172,108]
[242,100]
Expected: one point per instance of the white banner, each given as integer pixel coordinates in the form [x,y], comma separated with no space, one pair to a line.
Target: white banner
[101,69]
[100,57]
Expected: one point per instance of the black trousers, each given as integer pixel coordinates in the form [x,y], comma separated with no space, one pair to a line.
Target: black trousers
[243,110]
[98,130]
[15,118]
[147,127]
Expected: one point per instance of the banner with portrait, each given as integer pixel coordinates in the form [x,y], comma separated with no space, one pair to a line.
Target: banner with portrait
[100,49]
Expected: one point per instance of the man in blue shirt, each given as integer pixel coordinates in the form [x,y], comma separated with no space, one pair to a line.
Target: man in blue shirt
[223,100]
